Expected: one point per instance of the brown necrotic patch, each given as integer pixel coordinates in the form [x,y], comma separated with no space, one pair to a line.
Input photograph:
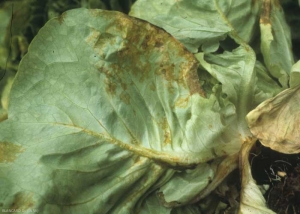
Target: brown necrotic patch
[265,12]
[125,97]
[9,152]
[166,131]
[193,83]
[135,51]
[61,18]
[182,102]
[111,87]
[22,201]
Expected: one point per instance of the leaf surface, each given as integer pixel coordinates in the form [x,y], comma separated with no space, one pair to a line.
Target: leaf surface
[101,107]
[200,24]
[295,75]
[235,71]
[276,41]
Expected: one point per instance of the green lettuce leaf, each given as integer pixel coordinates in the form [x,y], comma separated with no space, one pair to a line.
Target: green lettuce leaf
[102,109]
[235,71]
[153,206]
[276,42]
[265,86]
[295,75]
[200,24]
[187,185]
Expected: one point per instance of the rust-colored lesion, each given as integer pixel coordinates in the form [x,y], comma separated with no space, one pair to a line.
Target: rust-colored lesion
[96,12]
[125,97]
[112,81]
[265,12]
[145,52]
[93,37]
[152,86]
[61,18]
[163,123]
[9,152]
[111,87]
[182,102]
[193,81]
[22,201]
[3,116]
[277,4]
[267,7]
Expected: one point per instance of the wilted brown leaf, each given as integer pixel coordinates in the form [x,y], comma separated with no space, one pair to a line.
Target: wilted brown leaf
[275,122]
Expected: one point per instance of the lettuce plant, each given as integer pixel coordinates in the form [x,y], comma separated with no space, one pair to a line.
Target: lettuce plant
[112,114]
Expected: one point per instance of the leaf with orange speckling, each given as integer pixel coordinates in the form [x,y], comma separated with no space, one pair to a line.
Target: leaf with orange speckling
[104,107]
[200,25]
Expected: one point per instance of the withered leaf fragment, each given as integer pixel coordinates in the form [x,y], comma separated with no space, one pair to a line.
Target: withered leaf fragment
[275,122]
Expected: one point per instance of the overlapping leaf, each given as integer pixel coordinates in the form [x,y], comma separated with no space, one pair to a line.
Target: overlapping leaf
[295,75]
[276,41]
[200,24]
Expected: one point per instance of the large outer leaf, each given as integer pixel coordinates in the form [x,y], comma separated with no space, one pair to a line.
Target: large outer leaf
[101,104]
[275,122]
[200,23]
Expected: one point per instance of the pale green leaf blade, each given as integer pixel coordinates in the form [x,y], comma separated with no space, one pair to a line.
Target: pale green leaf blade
[71,172]
[265,87]
[153,206]
[235,71]
[242,16]
[295,75]
[276,41]
[187,185]
[200,24]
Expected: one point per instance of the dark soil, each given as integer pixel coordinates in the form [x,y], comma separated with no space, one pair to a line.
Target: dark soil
[282,173]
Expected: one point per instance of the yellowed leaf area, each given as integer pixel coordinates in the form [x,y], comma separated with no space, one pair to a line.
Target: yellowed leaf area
[9,152]
[275,122]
